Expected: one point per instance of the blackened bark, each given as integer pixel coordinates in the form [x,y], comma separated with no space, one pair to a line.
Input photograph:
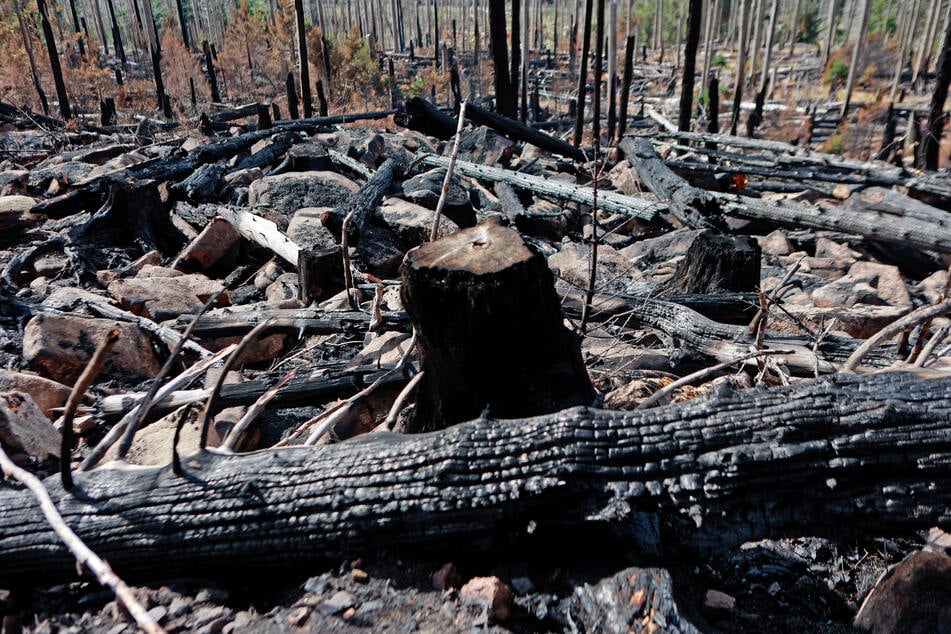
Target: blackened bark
[291,87]
[302,59]
[181,22]
[210,72]
[504,96]
[626,85]
[489,329]
[76,28]
[690,64]
[55,67]
[598,61]
[516,53]
[931,142]
[583,73]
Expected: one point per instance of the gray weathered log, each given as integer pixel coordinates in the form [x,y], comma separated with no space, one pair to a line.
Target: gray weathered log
[548,188]
[691,205]
[843,456]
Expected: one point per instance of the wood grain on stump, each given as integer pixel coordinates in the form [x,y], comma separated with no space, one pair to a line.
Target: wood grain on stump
[489,329]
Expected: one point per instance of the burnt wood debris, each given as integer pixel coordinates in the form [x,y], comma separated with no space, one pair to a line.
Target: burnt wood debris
[245,340]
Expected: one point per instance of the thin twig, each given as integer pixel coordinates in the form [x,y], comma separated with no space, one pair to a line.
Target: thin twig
[205,418]
[75,397]
[126,443]
[232,439]
[397,406]
[84,555]
[701,374]
[910,320]
[773,296]
[169,388]
[444,194]
[929,347]
[345,252]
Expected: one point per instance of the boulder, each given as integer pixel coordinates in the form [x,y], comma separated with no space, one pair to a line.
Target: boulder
[60,346]
[289,192]
[24,427]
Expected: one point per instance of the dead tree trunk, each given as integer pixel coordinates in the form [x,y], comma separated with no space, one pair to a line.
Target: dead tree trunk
[28,47]
[626,85]
[504,96]
[302,59]
[183,24]
[76,29]
[116,34]
[740,63]
[490,330]
[583,73]
[690,64]
[210,72]
[843,456]
[936,118]
[516,54]
[865,7]
[155,49]
[55,68]
[598,61]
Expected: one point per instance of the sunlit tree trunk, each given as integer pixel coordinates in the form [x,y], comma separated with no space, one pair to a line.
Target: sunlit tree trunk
[55,67]
[864,8]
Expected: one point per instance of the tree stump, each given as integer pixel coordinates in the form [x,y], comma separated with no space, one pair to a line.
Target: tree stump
[718,262]
[489,330]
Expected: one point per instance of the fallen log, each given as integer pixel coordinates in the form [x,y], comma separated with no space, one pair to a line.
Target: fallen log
[692,206]
[842,456]
[548,188]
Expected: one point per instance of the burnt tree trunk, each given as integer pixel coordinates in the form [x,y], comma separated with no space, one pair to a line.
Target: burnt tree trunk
[183,24]
[210,72]
[76,29]
[931,142]
[694,16]
[598,59]
[844,456]
[55,67]
[583,73]
[717,262]
[302,58]
[504,96]
[490,330]
[291,87]
[516,55]
[626,85]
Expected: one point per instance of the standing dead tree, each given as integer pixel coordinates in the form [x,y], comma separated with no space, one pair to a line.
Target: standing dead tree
[694,16]
[55,67]
[936,117]
[504,94]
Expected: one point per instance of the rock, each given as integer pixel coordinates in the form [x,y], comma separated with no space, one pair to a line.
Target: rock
[285,287]
[775,243]
[370,150]
[485,146]
[16,204]
[826,248]
[127,159]
[631,394]
[380,252]
[385,349]
[359,575]
[46,393]
[889,284]
[672,244]
[244,177]
[292,191]
[66,173]
[24,427]
[624,179]
[13,182]
[523,585]
[215,245]
[60,346]
[164,298]
[491,593]
[841,191]
[718,603]
[425,188]
[412,222]
[158,613]
[446,577]
[153,443]
[308,231]
[71,299]
[932,287]
[336,604]
[261,350]
[913,596]
[615,271]
[861,320]
[847,291]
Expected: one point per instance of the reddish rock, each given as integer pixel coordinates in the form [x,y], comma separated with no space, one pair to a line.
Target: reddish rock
[913,596]
[215,243]
[490,592]
[24,427]
[446,577]
[46,393]
[164,298]
[60,346]
[889,284]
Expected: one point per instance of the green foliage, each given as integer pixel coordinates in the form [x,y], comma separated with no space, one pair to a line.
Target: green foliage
[838,72]
[883,17]
[416,87]
[719,60]
[810,25]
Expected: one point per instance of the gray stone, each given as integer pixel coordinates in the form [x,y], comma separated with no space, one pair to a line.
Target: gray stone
[289,192]
[24,427]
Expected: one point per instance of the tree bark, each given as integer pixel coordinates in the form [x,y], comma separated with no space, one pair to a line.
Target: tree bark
[583,73]
[302,59]
[843,456]
[55,67]
[504,96]
[489,330]
[690,64]
[931,142]
[740,63]
[865,8]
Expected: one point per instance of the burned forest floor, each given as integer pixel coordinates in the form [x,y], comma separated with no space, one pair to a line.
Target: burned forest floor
[291,243]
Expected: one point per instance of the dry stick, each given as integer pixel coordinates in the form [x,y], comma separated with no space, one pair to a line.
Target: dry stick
[182,379]
[126,443]
[345,251]
[444,194]
[908,321]
[75,397]
[701,374]
[945,294]
[232,439]
[397,406]
[205,418]
[84,555]
[330,418]
[773,296]
[926,351]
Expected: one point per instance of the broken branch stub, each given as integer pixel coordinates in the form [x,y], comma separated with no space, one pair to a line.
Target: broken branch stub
[490,330]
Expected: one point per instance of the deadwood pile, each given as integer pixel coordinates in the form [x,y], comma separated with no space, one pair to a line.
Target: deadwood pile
[699,341]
